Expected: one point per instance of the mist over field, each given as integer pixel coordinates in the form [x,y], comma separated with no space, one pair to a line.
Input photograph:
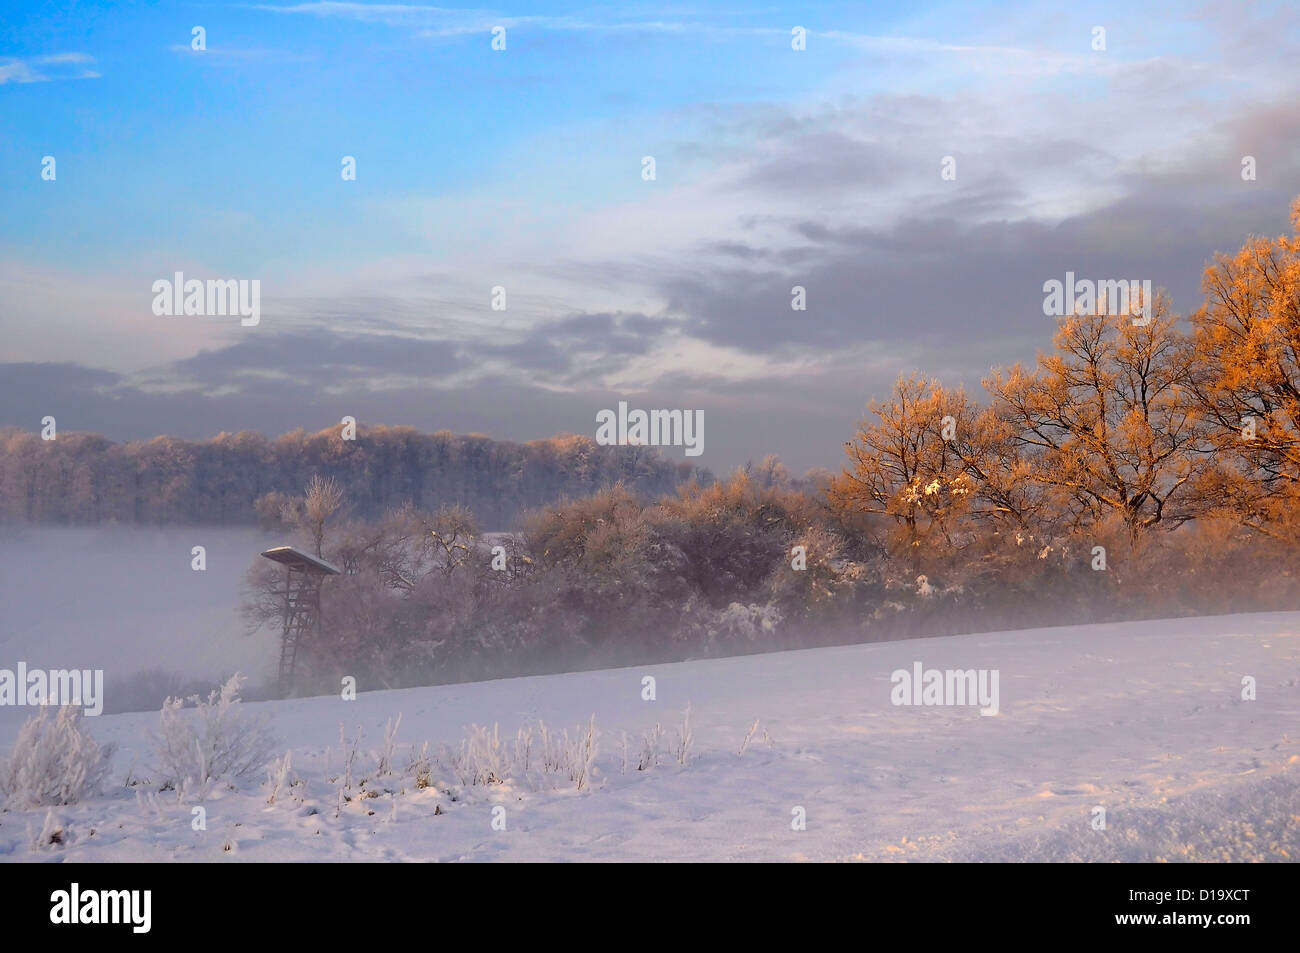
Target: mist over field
[124,599]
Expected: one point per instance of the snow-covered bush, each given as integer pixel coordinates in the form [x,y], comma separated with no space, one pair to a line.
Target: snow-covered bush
[54,761]
[277,776]
[749,736]
[685,738]
[721,629]
[53,833]
[421,767]
[745,623]
[483,758]
[575,758]
[650,742]
[212,741]
[384,759]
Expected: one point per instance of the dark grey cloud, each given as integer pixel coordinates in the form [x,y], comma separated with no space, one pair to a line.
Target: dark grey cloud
[957,272]
[305,361]
[737,250]
[319,358]
[24,377]
[559,345]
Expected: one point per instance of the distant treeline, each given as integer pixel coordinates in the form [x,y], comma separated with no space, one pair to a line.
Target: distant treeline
[86,478]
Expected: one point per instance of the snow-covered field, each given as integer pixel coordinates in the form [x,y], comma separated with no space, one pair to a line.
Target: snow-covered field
[1145,720]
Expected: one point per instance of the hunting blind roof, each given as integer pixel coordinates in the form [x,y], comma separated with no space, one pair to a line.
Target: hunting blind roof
[296,558]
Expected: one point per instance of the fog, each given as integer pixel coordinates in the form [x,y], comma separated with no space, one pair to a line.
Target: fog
[126,600]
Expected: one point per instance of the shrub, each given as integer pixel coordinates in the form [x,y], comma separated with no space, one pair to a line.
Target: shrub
[483,758]
[54,761]
[213,741]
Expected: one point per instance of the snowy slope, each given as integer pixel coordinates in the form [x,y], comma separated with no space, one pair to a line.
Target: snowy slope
[1144,719]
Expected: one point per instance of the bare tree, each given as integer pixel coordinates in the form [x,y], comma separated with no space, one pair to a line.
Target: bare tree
[322,501]
[905,466]
[1106,419]
[1247,381]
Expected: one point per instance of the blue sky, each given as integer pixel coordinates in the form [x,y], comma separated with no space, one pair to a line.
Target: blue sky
[158,140]
[521,168]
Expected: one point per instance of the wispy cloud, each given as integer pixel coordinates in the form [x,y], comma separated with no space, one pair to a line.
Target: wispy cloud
[449,22]
[392,14]
[44,69]
[227,53]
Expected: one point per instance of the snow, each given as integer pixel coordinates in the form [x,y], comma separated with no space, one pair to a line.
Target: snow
[1144,719]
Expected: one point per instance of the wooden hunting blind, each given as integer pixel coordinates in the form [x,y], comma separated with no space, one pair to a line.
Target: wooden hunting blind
[301,616]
